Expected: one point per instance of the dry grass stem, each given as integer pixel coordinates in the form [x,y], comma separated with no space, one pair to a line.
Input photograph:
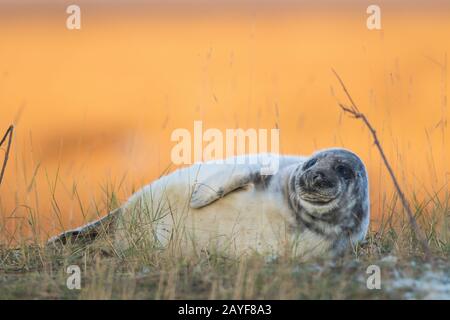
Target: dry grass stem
[354,112]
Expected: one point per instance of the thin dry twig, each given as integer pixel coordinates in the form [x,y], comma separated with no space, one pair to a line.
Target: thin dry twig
[354,112]
[9,133]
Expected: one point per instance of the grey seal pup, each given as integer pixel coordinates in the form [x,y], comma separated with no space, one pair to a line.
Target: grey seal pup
[316,206]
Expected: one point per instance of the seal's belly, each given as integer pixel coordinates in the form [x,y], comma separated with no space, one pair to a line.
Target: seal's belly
[245,220]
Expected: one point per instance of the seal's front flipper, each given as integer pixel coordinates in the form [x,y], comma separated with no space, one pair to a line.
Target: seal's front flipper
[221,183]
[89,232]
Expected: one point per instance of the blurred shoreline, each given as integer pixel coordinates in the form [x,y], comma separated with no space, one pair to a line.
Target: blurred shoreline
[13,9]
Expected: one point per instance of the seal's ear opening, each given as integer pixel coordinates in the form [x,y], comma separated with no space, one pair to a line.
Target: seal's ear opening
[87,233]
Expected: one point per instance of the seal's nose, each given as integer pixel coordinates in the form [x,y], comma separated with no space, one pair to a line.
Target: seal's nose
[317,177]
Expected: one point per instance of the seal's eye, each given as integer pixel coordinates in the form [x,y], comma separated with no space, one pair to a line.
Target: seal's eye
[344,171]
[309,164]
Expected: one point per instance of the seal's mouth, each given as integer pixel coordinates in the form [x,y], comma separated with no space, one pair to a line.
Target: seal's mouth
[315,198]
[318,187]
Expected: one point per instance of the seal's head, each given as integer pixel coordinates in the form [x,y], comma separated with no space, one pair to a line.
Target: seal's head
[330,177]
[329,192]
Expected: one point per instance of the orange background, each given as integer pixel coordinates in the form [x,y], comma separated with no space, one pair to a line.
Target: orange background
[95,108]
